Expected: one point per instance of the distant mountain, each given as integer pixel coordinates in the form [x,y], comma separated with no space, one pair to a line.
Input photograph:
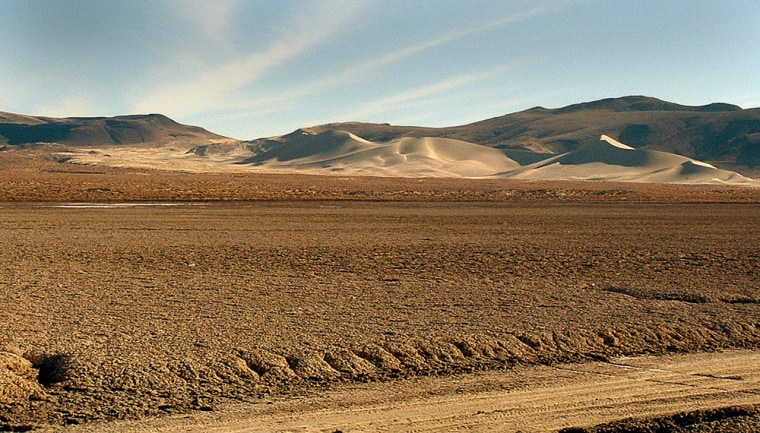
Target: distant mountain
[664,142]
[151,129]
[722,134]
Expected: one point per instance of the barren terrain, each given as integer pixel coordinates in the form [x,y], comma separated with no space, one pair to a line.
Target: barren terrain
[695,387]
[132,293]
[130,309]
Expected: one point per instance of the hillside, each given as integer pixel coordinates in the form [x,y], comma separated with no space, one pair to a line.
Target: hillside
[722,134]
[150,129]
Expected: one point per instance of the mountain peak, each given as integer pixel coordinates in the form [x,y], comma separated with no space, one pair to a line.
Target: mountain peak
[643,103]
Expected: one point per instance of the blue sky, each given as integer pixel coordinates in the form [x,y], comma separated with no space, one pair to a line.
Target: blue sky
[255,68]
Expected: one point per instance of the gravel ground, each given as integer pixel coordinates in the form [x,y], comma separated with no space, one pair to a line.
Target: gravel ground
[131,310]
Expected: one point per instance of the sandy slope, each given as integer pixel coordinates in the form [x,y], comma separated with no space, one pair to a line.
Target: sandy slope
[342,153]
[334,151]
[536,399]
[611,160]
[409,157]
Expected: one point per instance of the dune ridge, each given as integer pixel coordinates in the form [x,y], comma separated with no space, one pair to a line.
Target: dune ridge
[337,151]
[611,160]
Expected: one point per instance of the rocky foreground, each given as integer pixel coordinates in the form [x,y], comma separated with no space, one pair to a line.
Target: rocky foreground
[126,310]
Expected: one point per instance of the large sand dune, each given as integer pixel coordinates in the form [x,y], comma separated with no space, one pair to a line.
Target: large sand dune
[331,152]
[340,151]
[611,160]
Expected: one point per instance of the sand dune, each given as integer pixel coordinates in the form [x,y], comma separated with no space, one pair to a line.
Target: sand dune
[303,145]
[610,160]
[338,152]
[606,159]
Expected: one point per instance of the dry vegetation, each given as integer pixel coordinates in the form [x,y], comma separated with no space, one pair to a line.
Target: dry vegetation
[275,285]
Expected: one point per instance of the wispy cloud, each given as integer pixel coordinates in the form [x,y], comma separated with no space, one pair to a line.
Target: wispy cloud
[210,87]
[417,96]
[396,56]
[362,69]
[213,18]
[211,92]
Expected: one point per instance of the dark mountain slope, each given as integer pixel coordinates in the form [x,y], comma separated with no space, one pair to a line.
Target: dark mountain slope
[151,129]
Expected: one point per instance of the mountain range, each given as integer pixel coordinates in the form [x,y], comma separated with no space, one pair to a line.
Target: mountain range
[722,134]
[633,138]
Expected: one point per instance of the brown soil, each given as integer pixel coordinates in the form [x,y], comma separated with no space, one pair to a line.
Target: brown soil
[136,310]
[694,387]
[723,420]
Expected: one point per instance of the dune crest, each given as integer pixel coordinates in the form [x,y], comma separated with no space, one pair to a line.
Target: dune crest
[615,143]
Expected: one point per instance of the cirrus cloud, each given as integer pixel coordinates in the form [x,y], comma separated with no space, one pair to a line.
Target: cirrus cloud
[206,87]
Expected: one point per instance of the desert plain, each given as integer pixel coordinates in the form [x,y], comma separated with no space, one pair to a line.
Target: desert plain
[133,294]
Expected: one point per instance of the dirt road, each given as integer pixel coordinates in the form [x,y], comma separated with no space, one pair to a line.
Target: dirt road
[529,399]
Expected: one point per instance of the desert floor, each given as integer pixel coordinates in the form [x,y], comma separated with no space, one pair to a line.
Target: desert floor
[130,309]
[702,390]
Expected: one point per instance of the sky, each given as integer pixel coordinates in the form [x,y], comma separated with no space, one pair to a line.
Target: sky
[259,68]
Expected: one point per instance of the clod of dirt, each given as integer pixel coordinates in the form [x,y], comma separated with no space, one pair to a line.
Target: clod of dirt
[531,340]
[407,355]
[481,347]
[348,362]
[235,369]
[268,365]
[379,357]
[312,366]
[440,353]
[18,380]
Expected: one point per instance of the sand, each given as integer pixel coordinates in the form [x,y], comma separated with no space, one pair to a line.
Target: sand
[340,153]
[610,160]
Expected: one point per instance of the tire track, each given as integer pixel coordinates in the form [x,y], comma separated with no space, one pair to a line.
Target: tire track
[555,397]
